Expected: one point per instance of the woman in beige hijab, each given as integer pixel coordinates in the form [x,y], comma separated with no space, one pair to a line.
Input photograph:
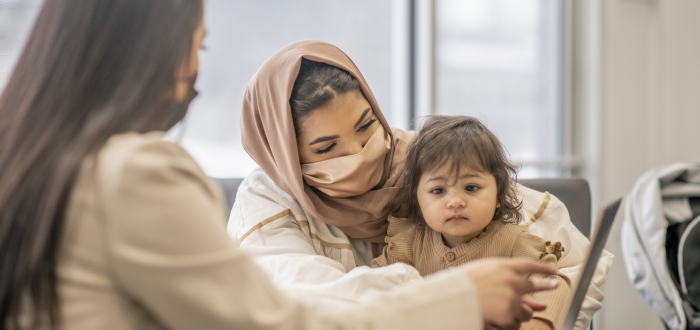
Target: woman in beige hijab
[314,212]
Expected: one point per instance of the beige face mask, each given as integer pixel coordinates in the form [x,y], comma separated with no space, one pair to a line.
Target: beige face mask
[352,175]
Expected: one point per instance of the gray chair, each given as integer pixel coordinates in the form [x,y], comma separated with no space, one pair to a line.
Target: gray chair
[230,188]
[573,192]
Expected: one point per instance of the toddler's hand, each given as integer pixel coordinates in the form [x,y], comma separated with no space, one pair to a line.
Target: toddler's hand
[535,324]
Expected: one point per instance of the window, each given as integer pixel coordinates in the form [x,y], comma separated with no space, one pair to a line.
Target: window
[499,60]
[16,19]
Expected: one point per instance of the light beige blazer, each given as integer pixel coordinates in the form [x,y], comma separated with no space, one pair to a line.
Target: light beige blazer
[144,246]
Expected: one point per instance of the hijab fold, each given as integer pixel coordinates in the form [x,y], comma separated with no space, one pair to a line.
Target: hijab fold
[267,134]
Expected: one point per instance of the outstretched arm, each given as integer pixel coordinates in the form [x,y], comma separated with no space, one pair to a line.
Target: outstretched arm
[306,258]
[169,254]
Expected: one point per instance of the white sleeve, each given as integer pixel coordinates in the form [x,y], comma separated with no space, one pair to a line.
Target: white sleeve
[273,237]
[554,224]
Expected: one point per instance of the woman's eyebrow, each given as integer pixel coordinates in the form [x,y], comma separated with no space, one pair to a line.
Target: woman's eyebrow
[324,139]
[362,117]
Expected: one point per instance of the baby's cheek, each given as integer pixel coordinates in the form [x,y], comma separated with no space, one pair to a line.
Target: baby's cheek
[489,208]
[491,212]
[431,214]
[428,212]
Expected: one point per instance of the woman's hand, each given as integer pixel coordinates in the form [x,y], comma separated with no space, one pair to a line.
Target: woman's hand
[502,283]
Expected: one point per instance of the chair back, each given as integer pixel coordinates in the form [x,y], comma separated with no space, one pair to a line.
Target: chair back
[230,188]
[573,192]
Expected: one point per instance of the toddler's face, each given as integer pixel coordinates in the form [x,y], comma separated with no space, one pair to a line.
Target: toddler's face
[459,208]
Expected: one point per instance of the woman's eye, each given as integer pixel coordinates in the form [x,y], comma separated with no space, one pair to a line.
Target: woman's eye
[366,126]
[437,191]
[325,150]
[471,188]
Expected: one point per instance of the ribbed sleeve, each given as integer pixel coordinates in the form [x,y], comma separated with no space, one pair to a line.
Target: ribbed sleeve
[400,239]
[528,246]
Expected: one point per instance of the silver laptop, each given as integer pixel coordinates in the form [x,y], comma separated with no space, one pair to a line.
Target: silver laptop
[605,222]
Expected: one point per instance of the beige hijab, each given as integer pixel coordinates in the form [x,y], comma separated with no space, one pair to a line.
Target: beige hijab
[267,134]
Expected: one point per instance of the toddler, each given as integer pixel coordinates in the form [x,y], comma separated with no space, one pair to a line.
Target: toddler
[458,204]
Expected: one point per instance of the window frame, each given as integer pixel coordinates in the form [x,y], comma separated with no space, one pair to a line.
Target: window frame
[421,67]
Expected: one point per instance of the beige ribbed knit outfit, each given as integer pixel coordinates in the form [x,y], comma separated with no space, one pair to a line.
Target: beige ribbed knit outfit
[423,247]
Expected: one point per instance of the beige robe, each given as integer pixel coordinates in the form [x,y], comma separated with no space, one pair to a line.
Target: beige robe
[144,246]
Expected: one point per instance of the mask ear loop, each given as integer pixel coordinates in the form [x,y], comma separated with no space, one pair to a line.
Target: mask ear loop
[182,126]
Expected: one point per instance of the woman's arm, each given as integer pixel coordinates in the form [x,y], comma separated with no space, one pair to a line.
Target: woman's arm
[169,253]
[168,249]
[305,257]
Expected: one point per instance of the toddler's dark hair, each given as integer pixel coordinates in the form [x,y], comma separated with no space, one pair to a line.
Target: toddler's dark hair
[459,141]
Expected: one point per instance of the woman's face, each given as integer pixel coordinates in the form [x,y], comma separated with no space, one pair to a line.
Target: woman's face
[338,129]
[190,68]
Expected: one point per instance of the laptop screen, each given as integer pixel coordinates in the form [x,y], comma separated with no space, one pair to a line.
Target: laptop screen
[605,222]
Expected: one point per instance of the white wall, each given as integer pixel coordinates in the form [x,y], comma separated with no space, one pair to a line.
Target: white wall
[637,86]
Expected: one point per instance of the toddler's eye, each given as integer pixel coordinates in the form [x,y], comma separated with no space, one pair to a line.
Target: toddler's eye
[471,187]
[437,191]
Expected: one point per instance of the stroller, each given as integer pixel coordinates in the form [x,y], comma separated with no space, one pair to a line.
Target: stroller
[661,242]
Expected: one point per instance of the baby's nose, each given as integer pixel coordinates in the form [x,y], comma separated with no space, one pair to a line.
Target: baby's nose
[456,201]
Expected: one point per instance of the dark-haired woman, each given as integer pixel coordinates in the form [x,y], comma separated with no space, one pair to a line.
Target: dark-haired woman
[103,225]
[315,211]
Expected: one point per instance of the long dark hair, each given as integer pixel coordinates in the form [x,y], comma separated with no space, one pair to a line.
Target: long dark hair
[90,69]
[458,141]
[317,85]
